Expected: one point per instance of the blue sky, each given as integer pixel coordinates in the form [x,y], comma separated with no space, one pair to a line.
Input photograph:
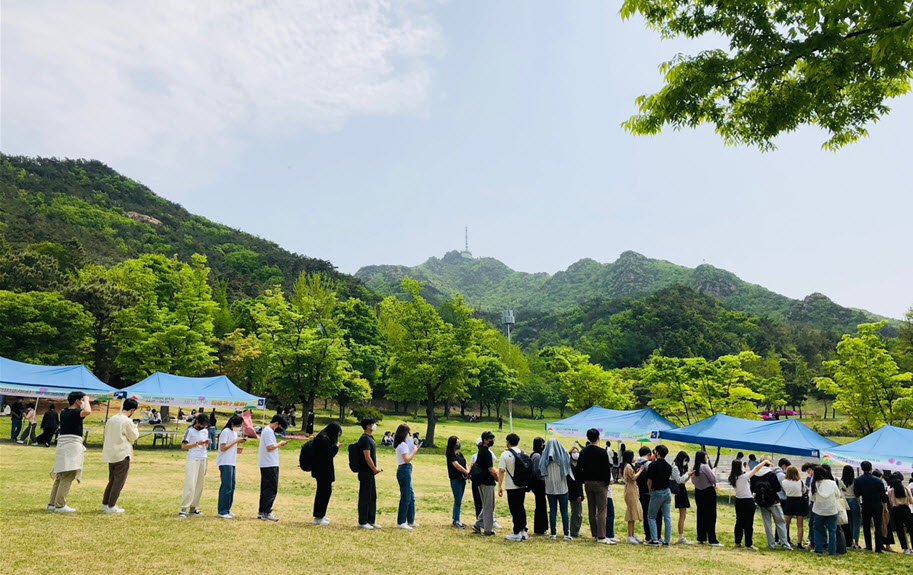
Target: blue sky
[365,134]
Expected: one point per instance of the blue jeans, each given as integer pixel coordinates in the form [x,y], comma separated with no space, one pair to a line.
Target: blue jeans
[811,526]
[226,488]
[660,500]
[826,524]
[458,486]
[406,511]
[855,513]
[213,444]
[610,518]
[554,502]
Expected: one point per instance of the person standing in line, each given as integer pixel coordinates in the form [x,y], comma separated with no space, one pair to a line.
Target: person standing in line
[826,496]
[643,462]
[900,500]
[555,465]
[886,519]
[15,419]
[704,480]
[680,476]
[780,474]
[610,503]
[213,439]
[658,476]
[68,458]
[766,489]
[633,511]
[229,440]
[457,473]
[31,419]
[796,502]
[476,493]
[367,470]
[575,495]
[809,470]
[406,449]
[195,441]
[326,446]
[594,471]
[540,511]
[268,462]
[50,422]
[854,513]
[309,424]
[117,451]
[752,461]
[488,479]
[740,480]
[515,495]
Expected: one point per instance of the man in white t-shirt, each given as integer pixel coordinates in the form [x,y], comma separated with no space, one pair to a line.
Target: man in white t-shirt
[515,495]
[195,440]
[268,462]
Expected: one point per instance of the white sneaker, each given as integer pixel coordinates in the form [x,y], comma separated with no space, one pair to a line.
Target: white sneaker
[376,525]
[104,509]
[683,541]
[226,516]
[366,526]
[524,535]
[64,509]
[632,541]
[514,537]
[414,525]
[568,538]
[496,525]
[268,517]
[614,541]
[404,526]
[716,544]
[49,507]
[114,509]
[553,537]
[604,541]
[321,521]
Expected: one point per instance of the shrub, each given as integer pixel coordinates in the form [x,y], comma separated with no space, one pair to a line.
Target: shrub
[364,411]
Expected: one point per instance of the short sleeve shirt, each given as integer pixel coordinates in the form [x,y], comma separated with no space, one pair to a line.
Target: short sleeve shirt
[402,449]
[230,455]
[508,462]
[192,435]
[265,457]
[71,422]
[366,443]
[485,460]
[453,472]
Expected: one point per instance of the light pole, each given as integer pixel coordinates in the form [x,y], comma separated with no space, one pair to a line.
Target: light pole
[510,413]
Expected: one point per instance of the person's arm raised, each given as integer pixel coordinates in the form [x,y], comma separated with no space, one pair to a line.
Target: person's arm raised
[86,407]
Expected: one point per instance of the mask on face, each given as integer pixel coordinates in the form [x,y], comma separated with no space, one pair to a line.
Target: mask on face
[373,427]
[575,456]
[457,445]
[237,430]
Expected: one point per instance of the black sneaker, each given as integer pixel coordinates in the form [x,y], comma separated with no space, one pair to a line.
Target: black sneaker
[477,529]
[652,543]
[458,525]
[488,534]
[196,513]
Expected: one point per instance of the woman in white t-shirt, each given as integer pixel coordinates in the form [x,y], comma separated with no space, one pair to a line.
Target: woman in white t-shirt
[229,439]
[739,478]
[406,449]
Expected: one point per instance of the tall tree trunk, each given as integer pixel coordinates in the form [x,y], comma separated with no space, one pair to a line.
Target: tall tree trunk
[306,408]
[432,420]
[532,412]
[342,414]
[481,407]
[498,409]
[395,407]
[489,410]
[447,409]
[463,403]
[561,411]
[717,461]
[417,405]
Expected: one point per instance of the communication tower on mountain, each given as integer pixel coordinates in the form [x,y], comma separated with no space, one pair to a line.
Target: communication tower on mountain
[466,253]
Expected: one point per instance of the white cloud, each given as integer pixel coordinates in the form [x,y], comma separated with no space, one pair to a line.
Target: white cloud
[177,82]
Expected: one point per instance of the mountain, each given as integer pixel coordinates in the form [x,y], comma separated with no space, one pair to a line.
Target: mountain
[489,285]
[113,218]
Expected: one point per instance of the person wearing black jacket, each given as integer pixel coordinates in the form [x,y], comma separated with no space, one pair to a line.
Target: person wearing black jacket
[367,489]
[486,480]
[540,511]
[595,472]
[15,419]
[326,446]
[871,491]
[49,424]
[575,495]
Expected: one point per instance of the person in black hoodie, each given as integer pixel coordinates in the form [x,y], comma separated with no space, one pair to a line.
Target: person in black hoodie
[595,472]
[16,410]
[575,495]
[540,511]
[326,446]
[49,424]
[871,491]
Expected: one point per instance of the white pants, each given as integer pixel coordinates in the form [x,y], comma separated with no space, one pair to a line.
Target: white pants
[194,476]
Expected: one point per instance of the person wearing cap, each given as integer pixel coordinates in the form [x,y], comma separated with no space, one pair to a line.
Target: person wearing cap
[120,434]
[488,478]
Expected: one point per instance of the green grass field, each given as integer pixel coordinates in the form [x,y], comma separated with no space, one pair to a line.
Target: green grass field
[150,538]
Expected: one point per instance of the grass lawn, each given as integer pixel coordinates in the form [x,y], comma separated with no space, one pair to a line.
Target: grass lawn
[150,538]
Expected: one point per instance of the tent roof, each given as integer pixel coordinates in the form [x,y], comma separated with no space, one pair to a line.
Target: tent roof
[887,448]
[30,380]
[167,389]
[611,423]
[786,436]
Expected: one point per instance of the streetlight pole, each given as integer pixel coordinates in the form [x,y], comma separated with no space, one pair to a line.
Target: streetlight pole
[510,412]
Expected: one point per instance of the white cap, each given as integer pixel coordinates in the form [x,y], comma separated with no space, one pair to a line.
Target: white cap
[479,441]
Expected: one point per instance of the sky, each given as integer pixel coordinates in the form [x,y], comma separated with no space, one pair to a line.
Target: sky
[373,132]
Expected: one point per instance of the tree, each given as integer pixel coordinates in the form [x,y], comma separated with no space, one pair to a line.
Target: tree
[788,63]
[364,340]
[40,327]
[353,389]
[671,389]
[866,382]
[429,358]
[587,384]
[769,382]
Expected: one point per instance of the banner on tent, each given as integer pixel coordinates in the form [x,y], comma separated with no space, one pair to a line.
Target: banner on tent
[883,462]
[613,434]
[194,401]
[32,391]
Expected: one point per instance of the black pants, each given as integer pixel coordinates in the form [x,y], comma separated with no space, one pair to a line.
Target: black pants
[540,513]
[870,515]
[269,485]
[322,497]
[705,502]
[903,524]
[744,521]
[367,499]
[476,498]
[515,499]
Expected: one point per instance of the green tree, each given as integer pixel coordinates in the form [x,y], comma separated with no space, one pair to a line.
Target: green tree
[353,389]
[769,381]
[40,327]
[364,340]
[786,63]
[671,389]
[866,382]
[587,384]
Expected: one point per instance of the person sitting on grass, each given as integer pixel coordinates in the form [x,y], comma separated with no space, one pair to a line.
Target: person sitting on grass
[195,440]
[68,459]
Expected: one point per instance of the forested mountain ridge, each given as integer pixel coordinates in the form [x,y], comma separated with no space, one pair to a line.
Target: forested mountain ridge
[113,218]
[490,285]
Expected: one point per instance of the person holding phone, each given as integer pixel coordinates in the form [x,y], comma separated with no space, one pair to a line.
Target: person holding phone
[268,462]
[368,469]
[326,446]
[406,448]
[195,441]
[229,440]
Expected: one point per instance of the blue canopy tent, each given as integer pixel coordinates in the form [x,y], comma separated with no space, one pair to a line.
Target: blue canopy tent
[48,381]
[787,436]
[887,448]
[178,391]
[640,424]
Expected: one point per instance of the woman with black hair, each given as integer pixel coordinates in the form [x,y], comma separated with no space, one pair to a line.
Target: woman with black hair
[854,511]
[901,499]
[704,480]
[326,446]
[405,448]
[680,476]
[826,497]
[540,510]
[229,439]
[457,472]
[634,511]
[740,480]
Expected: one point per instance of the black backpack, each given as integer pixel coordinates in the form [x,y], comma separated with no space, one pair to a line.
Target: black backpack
[306,456]
[523,469]
[356,457]
[764,494]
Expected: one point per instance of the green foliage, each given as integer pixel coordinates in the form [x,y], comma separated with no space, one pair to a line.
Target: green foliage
[586,384]
[43,327]
[364,411]
[787,63]
[866,382]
